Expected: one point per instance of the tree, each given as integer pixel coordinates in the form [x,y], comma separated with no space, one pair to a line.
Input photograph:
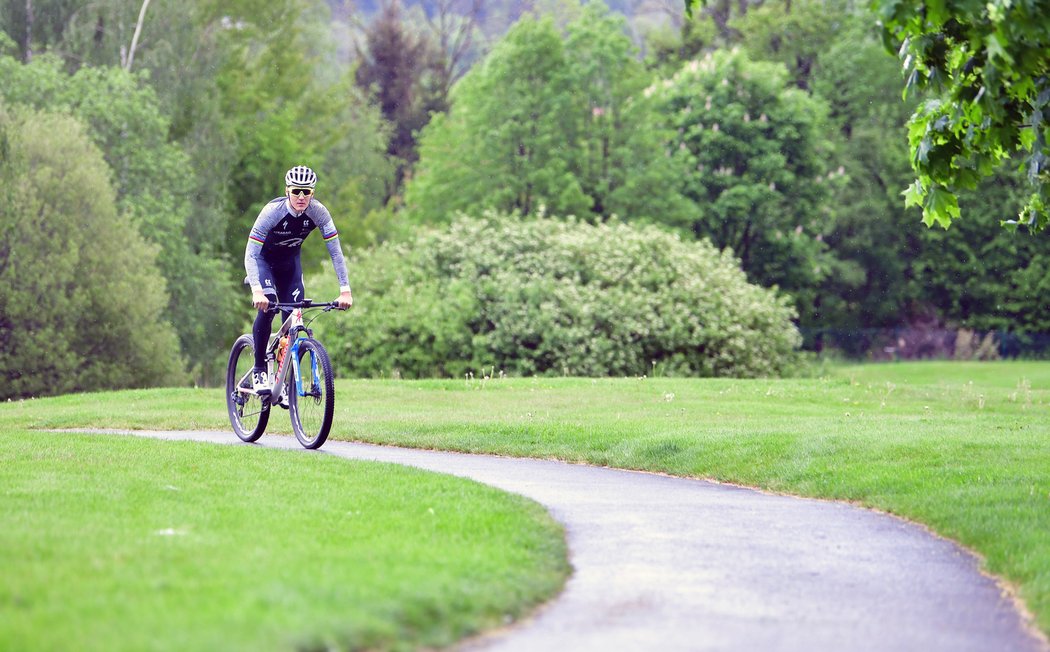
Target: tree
[757,164]
[391,67]
[981,277]
[287,108]
[986,71]
[621,161]
[456,36]
[873,235]
[83,306]
[504,142]
[154,185]
[549,124]
[792,33]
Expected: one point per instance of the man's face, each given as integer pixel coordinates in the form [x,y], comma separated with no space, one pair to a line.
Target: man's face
[300,197]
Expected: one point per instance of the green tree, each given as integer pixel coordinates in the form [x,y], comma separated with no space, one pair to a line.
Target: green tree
[621,160]
[756,163]
[873,234]
[240,104]
[504,144]
[987,74]
[792,33]
[154,185]
[981,277]
[287,109]
[83,305]
[547,124]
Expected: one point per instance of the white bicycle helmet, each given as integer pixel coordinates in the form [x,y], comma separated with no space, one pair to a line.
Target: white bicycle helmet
[301,177]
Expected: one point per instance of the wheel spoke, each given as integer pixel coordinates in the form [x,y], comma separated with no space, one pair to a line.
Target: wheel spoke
[248,413]
[312,406]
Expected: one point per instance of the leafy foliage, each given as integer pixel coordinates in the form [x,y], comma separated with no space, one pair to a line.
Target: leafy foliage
[154,189]
[794,34]
[83,303]
[557,297]
[986,68]
[874,236]
[755,162]
[546,124]
[986,278]
[393,63]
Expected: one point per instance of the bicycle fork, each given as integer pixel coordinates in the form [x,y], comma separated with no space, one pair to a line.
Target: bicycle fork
[314,377]
[281,372]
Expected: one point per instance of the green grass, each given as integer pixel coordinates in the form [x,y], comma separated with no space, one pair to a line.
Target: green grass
[961,447]
[119,543]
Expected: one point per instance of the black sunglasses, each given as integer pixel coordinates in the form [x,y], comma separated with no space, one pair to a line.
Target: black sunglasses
[302,192]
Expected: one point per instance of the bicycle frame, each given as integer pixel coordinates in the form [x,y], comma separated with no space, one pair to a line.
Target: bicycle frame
[295,329]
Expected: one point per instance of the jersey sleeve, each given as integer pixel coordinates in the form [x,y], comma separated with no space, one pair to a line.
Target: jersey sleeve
[326,225]
[268,216]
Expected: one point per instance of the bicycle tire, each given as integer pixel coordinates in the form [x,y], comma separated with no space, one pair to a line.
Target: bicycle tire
[311,412]
[248,413]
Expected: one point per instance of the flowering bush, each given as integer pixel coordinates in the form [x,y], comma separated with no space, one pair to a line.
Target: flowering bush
[545,296]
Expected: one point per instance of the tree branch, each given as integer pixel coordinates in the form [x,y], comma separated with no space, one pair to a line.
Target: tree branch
[135,37]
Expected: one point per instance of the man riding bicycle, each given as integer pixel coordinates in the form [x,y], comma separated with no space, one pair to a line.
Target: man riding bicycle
[271,258]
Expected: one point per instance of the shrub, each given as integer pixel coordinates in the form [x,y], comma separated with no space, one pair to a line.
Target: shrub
[546,296]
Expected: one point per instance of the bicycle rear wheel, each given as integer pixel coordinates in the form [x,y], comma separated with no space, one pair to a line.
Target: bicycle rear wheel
[248,413]
[312,404]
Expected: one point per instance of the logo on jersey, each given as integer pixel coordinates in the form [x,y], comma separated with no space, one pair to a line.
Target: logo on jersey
[295,295]
[290,242]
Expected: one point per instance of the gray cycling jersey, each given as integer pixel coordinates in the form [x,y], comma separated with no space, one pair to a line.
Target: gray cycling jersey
[278,233]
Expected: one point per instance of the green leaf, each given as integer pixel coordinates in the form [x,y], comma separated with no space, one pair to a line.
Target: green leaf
[936,13]
[942,206]
[996,50]
[914,194]
[922,152]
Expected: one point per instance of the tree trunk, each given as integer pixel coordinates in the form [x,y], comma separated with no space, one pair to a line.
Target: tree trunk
[135,36]
[27,49]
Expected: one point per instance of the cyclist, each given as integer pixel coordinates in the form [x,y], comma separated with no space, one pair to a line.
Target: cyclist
[271,258]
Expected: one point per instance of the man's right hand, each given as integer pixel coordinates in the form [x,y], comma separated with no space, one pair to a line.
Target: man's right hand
[260,300]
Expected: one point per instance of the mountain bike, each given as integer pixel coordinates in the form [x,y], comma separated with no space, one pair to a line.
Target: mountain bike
[300,374]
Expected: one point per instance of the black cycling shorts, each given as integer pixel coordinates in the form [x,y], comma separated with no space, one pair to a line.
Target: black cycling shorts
[283,279]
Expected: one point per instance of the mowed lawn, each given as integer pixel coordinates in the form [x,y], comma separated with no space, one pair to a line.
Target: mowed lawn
[961,447]
[117,543]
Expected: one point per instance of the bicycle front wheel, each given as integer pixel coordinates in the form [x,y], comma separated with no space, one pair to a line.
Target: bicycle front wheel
[248,412]
[311,395]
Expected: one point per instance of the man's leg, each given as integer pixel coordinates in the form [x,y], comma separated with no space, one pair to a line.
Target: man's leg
[261,334]
[261,329]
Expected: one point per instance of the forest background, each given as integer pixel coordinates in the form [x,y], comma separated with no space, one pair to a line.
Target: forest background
[529,187]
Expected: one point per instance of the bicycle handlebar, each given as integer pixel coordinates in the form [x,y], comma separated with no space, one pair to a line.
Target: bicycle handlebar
[305,303]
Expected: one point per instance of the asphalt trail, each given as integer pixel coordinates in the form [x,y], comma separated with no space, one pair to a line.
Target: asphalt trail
[662,563]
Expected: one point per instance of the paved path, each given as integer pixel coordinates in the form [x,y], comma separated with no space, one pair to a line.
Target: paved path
[670,564]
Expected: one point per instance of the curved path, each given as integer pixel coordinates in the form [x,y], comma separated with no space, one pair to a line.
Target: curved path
[664,563]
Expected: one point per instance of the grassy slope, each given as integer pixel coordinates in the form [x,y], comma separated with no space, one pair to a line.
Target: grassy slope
[115,543]
[964,448]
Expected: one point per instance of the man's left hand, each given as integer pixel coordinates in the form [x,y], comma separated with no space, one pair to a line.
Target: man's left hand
[345,300]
